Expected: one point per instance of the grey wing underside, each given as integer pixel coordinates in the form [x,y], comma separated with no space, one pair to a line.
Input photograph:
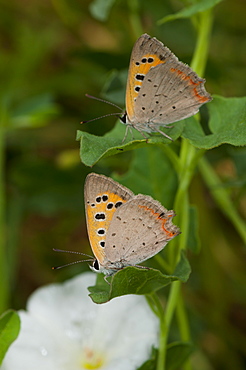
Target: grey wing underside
[149,44]
[135,233]
[172,98]
[96,184]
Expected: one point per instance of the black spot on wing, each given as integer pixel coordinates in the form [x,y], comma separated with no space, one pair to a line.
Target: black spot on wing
[100,216]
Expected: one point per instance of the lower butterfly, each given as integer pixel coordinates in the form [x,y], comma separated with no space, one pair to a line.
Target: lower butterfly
[124,229]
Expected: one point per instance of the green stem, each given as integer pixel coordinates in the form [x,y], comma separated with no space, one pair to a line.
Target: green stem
[221,197]
[3,262]
[172,302]
[182,320]
[161,360]
[154,304]
[165,322]
[134,18]
[183,326]
[163,263]
[189,157]
[172,156]
[199,59]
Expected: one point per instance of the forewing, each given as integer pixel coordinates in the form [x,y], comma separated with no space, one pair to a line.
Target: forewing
[147,53]
[102,196]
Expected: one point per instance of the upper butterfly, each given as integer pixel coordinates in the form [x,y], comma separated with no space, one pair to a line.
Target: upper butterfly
[124,229]
[160,89]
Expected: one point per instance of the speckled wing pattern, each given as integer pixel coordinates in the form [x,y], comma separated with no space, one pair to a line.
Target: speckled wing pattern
[160,88]
[138,230]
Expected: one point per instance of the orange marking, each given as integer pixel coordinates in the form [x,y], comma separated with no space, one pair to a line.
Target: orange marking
[93,225]
[163,221]
[185,77]
[142,68]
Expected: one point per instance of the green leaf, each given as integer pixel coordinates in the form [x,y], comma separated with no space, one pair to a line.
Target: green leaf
[136,280]
[115,86]
[193,242]
[150,364]
[227,124]
[93,148]
[177,354]
[191,10]
[100,9]
[183,269]
[9,330]
[144,175]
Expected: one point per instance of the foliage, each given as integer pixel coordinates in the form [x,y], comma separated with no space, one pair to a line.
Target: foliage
[9,330]
[51,55]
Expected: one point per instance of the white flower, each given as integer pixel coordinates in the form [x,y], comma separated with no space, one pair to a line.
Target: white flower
[63,329]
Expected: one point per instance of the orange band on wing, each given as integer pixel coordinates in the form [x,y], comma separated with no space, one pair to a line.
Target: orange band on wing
[185,77]
[139,67]
[102,221]
[163,221]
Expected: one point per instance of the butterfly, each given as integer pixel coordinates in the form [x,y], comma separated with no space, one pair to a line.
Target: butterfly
[160,89]
[124,229]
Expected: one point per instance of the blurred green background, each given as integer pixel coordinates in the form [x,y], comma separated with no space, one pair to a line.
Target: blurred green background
[53,53]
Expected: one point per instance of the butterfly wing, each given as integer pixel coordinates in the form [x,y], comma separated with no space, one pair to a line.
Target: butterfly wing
[177,93]
[103,196]
[146,53]
[160,88]
[138,230]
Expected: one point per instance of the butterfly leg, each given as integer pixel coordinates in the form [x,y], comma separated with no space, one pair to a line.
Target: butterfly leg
[105,279]
[126,132]
[168,126]
[142,267]
[141,132]
[163,133]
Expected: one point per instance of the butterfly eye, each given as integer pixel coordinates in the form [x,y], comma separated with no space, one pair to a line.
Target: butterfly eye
[96,265]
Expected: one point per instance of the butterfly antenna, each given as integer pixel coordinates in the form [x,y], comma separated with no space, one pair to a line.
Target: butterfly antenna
[73,252]
[103,101]
[71,263]
[106,115]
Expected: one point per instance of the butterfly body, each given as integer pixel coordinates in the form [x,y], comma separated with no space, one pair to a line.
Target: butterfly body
[124,229]
[160,89]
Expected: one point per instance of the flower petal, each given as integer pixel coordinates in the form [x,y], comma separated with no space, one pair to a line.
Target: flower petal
[63,324]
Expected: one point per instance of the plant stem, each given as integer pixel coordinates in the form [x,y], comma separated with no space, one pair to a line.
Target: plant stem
[165,322]
[189,157]
[221,197]
[172,156]
[3,262]
[134,18]
[199,59]
[161,360]
[183,326]
[163,263]
[154,304]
